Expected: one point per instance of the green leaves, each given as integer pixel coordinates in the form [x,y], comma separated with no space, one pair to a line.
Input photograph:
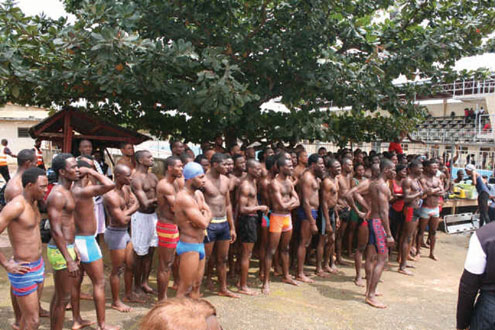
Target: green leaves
[195,69]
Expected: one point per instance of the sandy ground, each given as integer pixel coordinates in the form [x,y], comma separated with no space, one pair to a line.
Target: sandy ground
[424,301]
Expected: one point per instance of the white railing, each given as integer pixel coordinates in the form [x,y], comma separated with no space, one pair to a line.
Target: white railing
[469,87]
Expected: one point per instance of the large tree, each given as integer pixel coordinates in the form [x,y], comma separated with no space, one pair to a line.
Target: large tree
[195,69]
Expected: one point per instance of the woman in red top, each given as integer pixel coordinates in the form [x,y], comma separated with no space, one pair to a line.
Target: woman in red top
[397,203]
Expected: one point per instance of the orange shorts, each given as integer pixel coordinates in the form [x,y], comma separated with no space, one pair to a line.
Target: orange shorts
[280,222]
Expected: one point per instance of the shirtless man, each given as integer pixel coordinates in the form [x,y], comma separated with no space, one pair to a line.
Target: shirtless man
[221,231]
[89,251]
[284,199]
[26,268]
[120,204]
[127,159]
[429,213]
[235,177]
[380,236]
[360,194]
[413,192]
[192,215]
[302,164]
[26,158]
[143,222]
[329,194]
[307,213]
[343,208]
[60,250]
[264,184]
[177,148]
[248,219]
[166,227]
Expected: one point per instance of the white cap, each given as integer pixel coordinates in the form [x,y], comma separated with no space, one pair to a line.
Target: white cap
[470,167]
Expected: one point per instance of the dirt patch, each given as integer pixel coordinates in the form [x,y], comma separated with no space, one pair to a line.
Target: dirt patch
[424,301]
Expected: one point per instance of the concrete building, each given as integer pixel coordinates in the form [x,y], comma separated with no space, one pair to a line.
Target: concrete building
[15,121]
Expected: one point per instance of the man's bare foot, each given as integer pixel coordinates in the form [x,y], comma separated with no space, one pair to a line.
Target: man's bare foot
[410,266]
[303,278]
[340,262]
[248,291]
[15,326]
[289,280]
[265,290]
[121,307]
[331,270]
[261,276]
[359,282]
[79,324]
[175,286]
[322,273]
[433,257]
[404,271]
[85,296]
[227,293]
[134,298]
[44,312]
[375,303]
[147,289]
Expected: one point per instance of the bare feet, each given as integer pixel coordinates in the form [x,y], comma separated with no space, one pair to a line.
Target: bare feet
[375,303]
[227,293]
[121,307]
[265,289]
[331,270]
[359,282]
[404,271]
[410,266]
[175,286]
[340,262]
[44,312]
[134,298]
[323,274]
[15,326]
[147,289]
[303,278]
[289,280]
[433,257]
[248,291]
[85,296]
[79,324]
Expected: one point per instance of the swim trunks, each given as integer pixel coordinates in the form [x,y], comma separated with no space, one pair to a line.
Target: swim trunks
[410,214]
[265,220]
[143,232]
[25,284]
[426,212]
[333,222]
[116,238]
[345,214]
[183,247]
[99,211]
[280,222]
[248,228]
[168,235]
[88,248]
[377,236]
[301,214]
[55,257]
[218,230]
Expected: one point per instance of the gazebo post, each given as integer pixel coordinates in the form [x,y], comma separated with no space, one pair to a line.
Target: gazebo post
[67,132]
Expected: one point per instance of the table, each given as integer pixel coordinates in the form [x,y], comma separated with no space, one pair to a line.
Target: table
[453,204]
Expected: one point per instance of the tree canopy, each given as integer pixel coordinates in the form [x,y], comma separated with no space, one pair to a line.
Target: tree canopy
[196,69]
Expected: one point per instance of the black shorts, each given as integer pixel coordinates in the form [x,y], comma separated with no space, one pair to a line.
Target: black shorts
[248,228]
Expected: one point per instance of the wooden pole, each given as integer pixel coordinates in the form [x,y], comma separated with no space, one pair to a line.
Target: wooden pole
[67,132]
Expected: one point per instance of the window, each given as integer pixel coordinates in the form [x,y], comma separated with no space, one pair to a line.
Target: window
[23,132]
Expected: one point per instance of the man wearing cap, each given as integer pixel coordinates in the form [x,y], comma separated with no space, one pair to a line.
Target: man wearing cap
[192,216]
[483,193]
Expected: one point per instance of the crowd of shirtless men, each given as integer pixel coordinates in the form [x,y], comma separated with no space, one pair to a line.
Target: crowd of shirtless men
[211,213]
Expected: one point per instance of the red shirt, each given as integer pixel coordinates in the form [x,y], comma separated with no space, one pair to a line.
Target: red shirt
[395,146]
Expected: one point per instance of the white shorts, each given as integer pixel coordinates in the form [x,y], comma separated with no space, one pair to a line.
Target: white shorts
[143,232]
